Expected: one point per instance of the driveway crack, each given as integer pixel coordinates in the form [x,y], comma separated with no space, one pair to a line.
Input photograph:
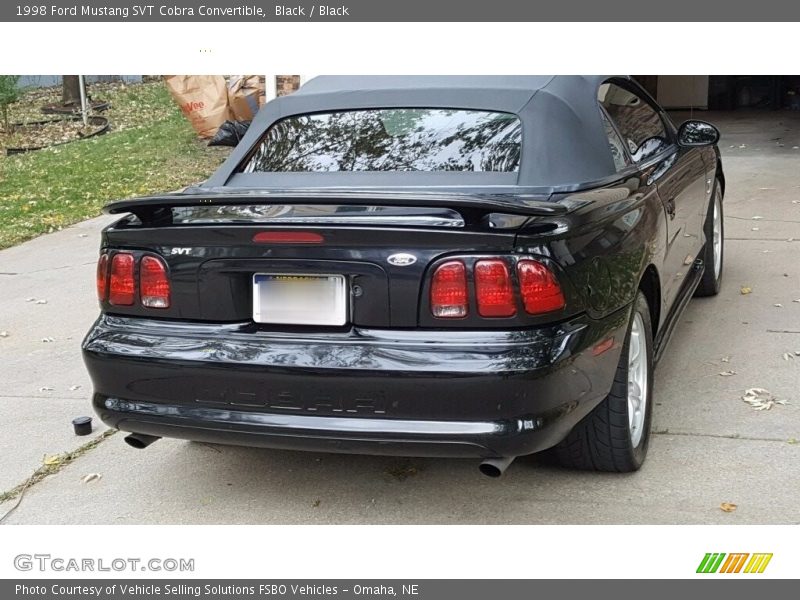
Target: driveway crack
[53,466]
[726,436]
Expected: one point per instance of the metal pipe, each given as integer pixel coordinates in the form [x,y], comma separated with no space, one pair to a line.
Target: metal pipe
[494,467]
[140,441]
[84,108]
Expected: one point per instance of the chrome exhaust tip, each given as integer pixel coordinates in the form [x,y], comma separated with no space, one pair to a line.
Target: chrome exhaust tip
[495,467]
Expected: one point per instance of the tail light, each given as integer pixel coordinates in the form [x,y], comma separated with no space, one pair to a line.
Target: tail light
[154,289]
[121,287]
[449,297]
[102,277]
[541,292]
[493,289]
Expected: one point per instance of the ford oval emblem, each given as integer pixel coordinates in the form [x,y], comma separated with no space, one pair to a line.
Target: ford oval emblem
[402,259]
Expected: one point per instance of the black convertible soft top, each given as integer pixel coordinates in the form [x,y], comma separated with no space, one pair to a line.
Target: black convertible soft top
[564,144]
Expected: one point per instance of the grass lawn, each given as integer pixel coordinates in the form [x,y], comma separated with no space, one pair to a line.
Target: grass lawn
[150,148]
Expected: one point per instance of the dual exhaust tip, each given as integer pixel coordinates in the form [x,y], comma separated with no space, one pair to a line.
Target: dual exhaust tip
[491,467]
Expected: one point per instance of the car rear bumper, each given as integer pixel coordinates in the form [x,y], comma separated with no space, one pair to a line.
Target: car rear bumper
[416,393]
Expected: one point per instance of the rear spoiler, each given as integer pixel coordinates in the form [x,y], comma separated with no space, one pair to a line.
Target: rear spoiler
[473,208]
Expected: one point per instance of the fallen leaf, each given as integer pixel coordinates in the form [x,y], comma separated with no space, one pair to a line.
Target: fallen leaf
[761,399]
[52,460]
[727,373]
[778,305]
[316,503]
[91,477]
[788,356]
[791,441]
[727,507]
[745,290]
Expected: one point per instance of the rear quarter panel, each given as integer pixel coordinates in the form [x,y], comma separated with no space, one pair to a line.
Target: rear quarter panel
[611,235]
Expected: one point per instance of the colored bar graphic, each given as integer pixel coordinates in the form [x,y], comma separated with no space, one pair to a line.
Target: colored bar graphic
[710,562]
[701,567]
[740,564]
[733,561]
[717,563]
[733,564]
[758,563]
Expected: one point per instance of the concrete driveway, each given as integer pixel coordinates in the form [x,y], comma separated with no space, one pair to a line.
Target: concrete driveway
[709,446]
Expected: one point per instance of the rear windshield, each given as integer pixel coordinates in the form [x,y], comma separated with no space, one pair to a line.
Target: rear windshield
[397,139]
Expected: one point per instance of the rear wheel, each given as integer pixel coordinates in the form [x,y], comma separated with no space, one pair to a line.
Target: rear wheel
[615,435]
[715,243]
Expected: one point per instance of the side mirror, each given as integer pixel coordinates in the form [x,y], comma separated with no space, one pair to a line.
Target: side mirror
[697,133]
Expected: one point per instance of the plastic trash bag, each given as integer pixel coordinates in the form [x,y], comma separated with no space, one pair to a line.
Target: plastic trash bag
[230,133]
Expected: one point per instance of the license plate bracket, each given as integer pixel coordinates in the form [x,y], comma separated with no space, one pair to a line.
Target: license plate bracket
[300,299]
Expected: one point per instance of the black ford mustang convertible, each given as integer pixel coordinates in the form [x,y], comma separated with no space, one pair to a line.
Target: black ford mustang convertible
[479,267]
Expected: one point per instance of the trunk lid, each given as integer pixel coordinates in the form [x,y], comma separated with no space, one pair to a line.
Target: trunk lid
[211,247]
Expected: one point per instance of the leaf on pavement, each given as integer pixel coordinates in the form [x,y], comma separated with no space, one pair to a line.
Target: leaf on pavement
[91,477]
[761,399]
[745,290]
[52,460]
[727,373]
[788,356]
[727,507]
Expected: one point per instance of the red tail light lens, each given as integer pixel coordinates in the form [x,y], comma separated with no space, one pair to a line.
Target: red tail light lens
[121,287]
[449,298]
[541,292]
[154,289]
[102,277]
[493,289]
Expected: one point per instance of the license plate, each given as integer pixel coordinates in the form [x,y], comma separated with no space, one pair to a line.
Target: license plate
[299,299]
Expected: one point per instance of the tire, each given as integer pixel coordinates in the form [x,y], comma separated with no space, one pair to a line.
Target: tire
[713,260]
[605,439]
